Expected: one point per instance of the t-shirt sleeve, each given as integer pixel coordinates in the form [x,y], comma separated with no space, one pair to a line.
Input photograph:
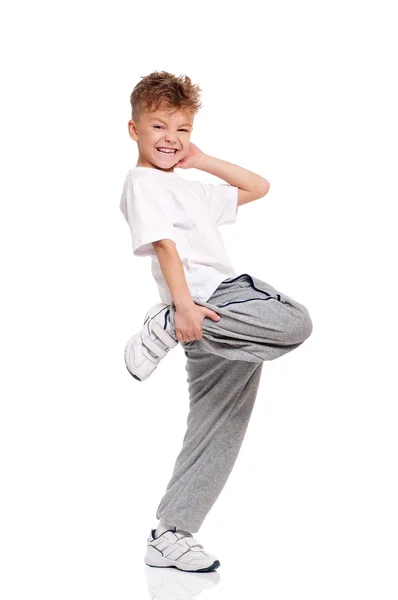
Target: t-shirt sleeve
[147,211]
[222,199]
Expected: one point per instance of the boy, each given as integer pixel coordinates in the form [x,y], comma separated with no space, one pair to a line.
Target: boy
[217,314]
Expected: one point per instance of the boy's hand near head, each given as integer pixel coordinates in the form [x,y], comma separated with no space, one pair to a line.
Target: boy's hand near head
[250,185]
[192,159]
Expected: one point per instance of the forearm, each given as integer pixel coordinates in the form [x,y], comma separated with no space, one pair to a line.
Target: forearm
[232,174]
[173,272]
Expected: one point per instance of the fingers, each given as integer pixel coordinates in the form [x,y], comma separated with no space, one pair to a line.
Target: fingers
[186,337]
[190,335]
[211,314]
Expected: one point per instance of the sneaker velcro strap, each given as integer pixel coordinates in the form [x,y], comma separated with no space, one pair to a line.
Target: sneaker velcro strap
[156,348]
[192,543]
[163,335]
[188,539]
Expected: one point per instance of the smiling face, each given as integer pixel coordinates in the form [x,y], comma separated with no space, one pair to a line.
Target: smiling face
[167,129]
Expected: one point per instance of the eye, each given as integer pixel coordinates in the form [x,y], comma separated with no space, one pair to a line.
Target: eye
[186,130]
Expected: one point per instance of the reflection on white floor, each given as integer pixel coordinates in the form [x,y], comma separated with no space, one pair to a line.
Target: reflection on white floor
[173,584]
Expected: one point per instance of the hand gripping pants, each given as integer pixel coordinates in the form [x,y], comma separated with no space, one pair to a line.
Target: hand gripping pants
[257,323]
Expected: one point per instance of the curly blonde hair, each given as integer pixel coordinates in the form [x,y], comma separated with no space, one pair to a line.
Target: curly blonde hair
[160,88]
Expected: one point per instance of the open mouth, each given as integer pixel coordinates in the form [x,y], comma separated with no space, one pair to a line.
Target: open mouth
[170,152]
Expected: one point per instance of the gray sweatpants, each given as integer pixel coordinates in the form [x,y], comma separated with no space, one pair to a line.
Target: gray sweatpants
[257,323]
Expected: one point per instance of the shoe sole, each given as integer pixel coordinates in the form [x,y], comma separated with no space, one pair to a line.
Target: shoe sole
[212,567]
[126,350]
[151,313]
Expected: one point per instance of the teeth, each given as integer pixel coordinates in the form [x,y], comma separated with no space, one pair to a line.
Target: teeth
[166,151]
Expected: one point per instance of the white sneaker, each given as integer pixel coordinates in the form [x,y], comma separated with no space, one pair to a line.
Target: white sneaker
[145,349]
[178,549]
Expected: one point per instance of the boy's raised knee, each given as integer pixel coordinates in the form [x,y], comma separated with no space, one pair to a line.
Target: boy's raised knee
[306,326]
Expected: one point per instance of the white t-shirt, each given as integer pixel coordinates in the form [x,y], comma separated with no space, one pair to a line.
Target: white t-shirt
[158,204]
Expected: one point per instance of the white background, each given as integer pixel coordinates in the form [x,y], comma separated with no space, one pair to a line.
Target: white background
[303,93]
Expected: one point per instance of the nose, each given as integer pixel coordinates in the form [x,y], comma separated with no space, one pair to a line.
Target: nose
[169,137]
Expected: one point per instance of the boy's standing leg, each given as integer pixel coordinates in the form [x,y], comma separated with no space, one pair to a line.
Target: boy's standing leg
[221,402]
[257,323]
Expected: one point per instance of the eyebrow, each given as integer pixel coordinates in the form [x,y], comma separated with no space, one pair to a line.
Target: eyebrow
[164,123]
